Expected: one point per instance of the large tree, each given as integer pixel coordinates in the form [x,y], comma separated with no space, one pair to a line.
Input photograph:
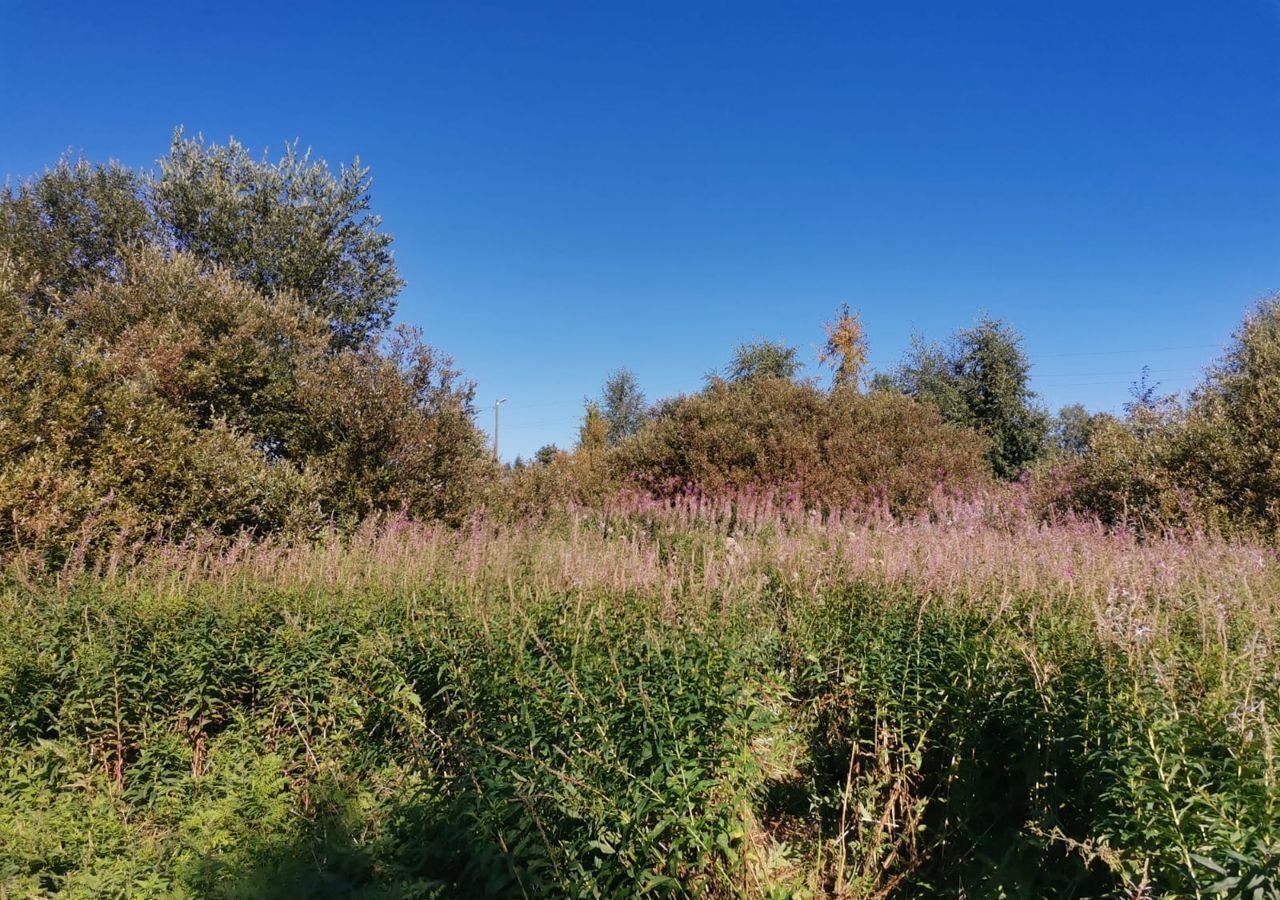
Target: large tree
[979,378]
[623,405]
[290,226]
[70,227]
[207,349]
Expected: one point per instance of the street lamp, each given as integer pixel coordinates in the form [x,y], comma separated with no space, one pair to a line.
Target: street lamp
[496,407]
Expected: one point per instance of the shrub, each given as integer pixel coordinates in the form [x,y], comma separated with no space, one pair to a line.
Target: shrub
[557,479]
[1211,463]
[1128,476]
[175,397]
[830,449]
[1232,433]
[207,348]
[392,429]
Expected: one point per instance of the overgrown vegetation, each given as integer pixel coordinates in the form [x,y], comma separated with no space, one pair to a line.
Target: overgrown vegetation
[166,372]
[208,346]
[1207,462]
[273,622]
[979,379]
[835,448]
[647,702]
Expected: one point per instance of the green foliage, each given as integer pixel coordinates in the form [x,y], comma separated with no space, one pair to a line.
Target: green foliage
[979,380]
[112,435]
[290,227]
[1033,764]
[1209,463]
[392,428]
[763,359]
[1070,430]
[623,405]
[1131,474]
[927,373]
[206,349]
[593,434]
[1233,426]
[773,434]
[220,736]
[71,226]
[546,453]
[215,748]
[173,398]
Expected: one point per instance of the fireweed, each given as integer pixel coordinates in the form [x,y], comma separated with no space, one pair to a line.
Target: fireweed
[730,697]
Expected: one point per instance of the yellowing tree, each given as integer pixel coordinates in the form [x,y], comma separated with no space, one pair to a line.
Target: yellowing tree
[593,435]
[846,348]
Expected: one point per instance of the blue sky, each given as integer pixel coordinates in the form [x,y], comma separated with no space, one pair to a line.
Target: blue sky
[579,186]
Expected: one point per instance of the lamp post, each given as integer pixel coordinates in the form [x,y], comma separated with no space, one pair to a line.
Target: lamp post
[496,407]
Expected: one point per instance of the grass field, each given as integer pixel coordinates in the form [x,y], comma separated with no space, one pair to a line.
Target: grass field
[692,701]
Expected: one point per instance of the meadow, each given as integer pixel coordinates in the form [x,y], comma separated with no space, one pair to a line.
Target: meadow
[681,698]
[277,621]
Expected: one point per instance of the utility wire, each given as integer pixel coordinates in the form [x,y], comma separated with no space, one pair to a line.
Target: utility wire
[1130,350]
[1103,374]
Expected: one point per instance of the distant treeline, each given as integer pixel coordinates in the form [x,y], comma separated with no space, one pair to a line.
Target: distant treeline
[206,347]
[952,418]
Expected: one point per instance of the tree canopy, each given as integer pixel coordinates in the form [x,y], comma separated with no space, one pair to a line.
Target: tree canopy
[207,348]
[980,379]
[845,350]
[623,405]
[763,359]
[292,228]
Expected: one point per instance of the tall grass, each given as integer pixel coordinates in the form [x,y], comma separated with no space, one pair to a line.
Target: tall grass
[690,698]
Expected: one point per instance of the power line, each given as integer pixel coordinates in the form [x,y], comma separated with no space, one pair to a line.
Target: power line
[1150,371]
[1079,384]
[522,406]
[572,421]
[1129,350]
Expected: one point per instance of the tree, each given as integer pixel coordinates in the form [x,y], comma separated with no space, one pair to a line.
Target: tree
[846,349]
[593,434]
[927,373]
[623,405]
[979,379]
[206,350]
[763,359]
[1144,395]
[289,228]
[1231,431]
[1070,430]
[994,373]
[546,453]
[71,226]
[293,226]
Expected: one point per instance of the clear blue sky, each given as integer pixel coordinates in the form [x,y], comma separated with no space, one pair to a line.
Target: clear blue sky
[575,187]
